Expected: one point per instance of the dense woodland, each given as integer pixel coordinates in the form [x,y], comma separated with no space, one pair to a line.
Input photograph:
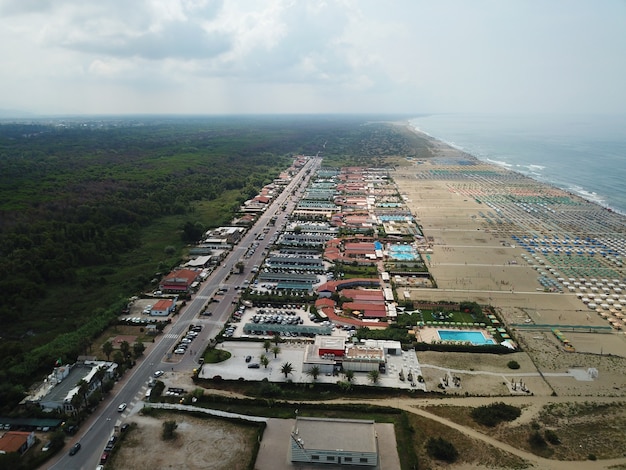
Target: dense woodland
[93,209]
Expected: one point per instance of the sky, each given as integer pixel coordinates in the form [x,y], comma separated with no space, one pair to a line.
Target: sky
[301,56]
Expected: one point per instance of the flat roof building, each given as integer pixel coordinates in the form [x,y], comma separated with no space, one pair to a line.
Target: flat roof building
[334,441]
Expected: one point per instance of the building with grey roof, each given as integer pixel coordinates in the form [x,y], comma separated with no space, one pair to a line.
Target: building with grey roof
[334,441]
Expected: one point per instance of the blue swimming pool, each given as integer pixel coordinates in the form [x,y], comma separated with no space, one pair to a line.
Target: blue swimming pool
[474,337]
[403,252]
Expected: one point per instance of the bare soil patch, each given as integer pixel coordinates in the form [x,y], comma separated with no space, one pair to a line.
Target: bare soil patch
[200,444]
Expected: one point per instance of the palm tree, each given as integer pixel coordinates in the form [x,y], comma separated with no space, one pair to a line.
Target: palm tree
[373,375]
[264,360]
[276,351]
[267,344]
[107,348]
[277,339]
[125,348]
[313,372]
[349,375]
[99,375]
[286,368]
[83,390]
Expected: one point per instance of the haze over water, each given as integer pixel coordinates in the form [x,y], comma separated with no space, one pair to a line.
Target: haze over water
[584,154]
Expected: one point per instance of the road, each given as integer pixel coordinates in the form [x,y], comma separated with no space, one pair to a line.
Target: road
[101,425]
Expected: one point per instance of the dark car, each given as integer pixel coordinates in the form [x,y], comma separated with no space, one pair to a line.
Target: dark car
[254,365]
[75,448]
[124,427]
[248,358]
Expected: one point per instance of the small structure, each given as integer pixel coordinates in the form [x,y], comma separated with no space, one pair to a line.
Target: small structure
[179,281]
[334,441]
[16,442]
[163,307]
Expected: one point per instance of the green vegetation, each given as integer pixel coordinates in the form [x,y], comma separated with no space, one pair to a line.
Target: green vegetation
[496,413]
[169,430]
[440,449]
[212,355]
[93,211]
[513,365]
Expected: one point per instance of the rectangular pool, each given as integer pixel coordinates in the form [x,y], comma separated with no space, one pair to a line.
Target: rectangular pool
[473,336]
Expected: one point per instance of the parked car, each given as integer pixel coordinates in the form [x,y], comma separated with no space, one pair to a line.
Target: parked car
[254,365]
[46,447]
[248,358]
[158,373]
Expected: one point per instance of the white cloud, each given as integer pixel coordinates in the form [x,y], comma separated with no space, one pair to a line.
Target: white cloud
[312,56]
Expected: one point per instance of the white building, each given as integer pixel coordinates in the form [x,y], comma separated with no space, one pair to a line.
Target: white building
[334,441]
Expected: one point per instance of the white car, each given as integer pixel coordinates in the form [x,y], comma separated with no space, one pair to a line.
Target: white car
[122,407]
[158,373]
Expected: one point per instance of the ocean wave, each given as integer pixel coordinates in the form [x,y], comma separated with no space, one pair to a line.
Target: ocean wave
[499,163]
[588,195]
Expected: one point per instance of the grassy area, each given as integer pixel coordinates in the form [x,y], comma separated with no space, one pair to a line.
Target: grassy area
[212,355]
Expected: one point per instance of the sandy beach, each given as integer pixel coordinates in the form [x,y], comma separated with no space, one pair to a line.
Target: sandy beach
[475,216]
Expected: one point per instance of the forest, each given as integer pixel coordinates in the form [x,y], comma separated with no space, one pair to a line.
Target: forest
[92,209]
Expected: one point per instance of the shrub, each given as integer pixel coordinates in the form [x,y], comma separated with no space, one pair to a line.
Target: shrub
[537,441]
[551,437]
[513,365]
[441,449]
[169,428]
[491,415]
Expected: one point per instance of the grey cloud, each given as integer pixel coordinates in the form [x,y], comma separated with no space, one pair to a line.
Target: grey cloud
[178,40]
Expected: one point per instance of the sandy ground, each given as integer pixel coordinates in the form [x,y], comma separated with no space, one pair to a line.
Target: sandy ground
[473,260]
[470,260]
[201,444]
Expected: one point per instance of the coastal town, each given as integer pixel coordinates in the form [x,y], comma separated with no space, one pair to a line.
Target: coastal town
[447,279]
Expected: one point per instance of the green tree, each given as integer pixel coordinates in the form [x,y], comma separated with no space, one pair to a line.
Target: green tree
[264,360]
[349,374]
[107,349]
[267,344]
[374,376]
[286,369]
[169,429]
[276,351]
[138,349]
[83,390]
[125,348]
[440,449]
[99,375]
[313,372]
[277,339]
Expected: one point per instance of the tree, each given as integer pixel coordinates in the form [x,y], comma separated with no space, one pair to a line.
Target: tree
[349,374]
[276,351]
[118,358]
[107,348]
[267,344]
[286,368]
[264,360]
[169,428]
[83,390]
[125,348]
[441,449]
[276,338]
[313,372]
[374,376]
[99,375]
[138,349]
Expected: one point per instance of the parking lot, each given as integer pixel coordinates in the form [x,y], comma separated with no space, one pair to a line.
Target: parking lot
[293,352]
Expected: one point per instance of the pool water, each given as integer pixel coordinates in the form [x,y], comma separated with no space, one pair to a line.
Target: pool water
[474,337]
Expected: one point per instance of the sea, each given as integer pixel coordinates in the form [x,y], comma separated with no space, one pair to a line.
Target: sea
[583,154]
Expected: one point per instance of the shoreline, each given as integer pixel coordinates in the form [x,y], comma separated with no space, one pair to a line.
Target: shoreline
[508,167]
[476,215]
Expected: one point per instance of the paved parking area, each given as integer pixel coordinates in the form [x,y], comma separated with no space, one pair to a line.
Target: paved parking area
[293,352]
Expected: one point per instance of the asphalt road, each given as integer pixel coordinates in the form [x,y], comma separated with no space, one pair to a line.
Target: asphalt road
[94,434]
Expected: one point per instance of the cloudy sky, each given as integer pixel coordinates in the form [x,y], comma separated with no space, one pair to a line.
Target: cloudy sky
[301,56]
